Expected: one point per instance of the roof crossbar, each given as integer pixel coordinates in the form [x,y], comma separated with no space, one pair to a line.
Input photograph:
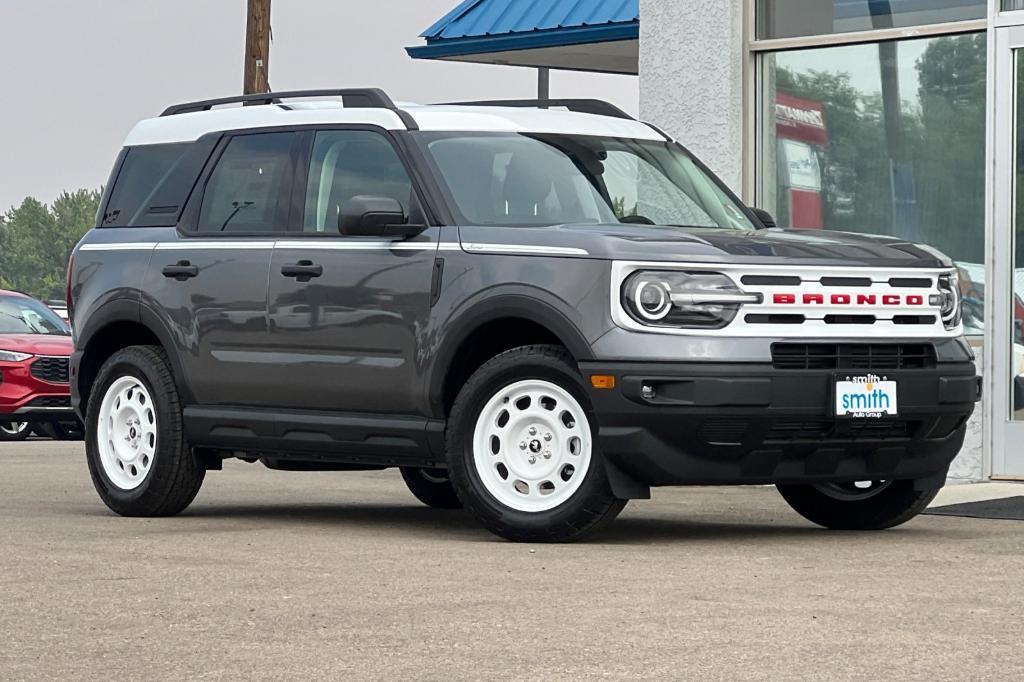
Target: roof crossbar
[352,98]
[583,106]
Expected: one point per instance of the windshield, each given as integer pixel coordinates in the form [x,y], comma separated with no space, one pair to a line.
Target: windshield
[27,316]
[513,179]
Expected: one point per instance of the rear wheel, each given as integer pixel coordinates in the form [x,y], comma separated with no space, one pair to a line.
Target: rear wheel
[521,449]
[138,458]
[13,431]
[432,487]
[861,505]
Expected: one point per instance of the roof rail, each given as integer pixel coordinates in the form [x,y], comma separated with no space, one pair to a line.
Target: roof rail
[583,106]
[352,98]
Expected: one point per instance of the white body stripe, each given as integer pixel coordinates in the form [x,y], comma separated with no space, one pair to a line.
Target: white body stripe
[325,245]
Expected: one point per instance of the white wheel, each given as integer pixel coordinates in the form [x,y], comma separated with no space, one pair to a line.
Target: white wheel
[532,445]
[126,433]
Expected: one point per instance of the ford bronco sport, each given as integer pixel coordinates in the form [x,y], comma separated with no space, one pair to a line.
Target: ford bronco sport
[536,310]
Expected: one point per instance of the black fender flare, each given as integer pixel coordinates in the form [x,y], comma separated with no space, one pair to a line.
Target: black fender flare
[519,301]
[132,310]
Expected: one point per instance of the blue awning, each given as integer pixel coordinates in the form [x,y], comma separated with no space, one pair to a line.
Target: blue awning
[588,35]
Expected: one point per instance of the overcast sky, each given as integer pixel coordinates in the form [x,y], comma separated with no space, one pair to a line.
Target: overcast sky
[75,75]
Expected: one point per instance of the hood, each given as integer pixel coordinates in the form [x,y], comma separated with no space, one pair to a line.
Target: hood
[37,344]
[769,246]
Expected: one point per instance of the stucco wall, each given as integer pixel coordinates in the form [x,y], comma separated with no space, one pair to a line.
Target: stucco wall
[691,78]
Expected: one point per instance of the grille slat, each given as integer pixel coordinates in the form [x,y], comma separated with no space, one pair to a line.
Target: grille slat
[843,356]
[50,401]
[51,370]
[816,428]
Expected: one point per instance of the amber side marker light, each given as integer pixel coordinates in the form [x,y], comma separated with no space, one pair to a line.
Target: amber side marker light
[602,381]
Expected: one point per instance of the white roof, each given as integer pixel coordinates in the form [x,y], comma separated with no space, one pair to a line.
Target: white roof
[191,126]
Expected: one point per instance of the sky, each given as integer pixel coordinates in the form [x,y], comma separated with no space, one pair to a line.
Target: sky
[76,75]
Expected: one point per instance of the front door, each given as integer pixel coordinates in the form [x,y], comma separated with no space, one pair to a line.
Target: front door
[348,314]
[1007,384]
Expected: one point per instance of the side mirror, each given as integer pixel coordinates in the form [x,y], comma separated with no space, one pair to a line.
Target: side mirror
[366,216]
[764,216]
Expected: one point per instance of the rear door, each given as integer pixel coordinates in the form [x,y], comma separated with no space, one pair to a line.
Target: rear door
[347,338]
[210,278]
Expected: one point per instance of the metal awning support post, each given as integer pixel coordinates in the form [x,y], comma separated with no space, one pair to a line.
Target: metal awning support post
[543,83]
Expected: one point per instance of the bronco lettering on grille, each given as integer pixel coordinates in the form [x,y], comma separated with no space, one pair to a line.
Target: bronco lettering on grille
[849,299]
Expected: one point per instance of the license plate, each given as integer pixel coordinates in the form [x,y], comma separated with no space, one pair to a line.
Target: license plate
[865,396]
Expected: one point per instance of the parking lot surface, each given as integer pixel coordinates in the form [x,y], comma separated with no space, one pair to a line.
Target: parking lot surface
[275,575]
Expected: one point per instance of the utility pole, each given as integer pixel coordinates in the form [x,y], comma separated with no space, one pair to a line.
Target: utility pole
[257,47]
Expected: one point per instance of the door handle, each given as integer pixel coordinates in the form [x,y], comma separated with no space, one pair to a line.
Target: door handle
[302,271]
[181,270]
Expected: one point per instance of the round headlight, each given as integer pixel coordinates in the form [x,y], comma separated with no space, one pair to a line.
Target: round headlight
[652,299]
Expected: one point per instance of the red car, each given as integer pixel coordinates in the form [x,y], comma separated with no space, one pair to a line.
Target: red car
[35,344]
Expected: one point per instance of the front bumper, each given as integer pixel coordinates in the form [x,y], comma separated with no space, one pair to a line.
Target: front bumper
[750,423]
[24,397]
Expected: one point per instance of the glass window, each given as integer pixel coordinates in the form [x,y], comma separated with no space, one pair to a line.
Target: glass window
[246,188]
[1010,5]
[1017,284]
[513,179]
[144,169]
[885,138]
[351,163]
[20,315]
[793,18]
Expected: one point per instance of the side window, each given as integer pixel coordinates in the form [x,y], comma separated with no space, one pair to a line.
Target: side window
[250,179]
[351,163]
[145,168]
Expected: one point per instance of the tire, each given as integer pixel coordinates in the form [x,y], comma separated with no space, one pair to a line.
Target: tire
[567,496]
[844,507]
[14,431]
[432,487]
[58,430]
[136,396]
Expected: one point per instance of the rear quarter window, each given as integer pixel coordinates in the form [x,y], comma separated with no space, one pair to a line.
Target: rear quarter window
[153,184]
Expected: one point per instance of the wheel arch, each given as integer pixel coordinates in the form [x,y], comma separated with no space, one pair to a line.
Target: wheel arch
[491,326]
[116,325]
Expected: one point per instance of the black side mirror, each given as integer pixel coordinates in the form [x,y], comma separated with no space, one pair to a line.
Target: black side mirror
[764,216]
[366,216]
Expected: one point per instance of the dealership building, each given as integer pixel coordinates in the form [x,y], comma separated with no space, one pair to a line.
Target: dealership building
[897,117]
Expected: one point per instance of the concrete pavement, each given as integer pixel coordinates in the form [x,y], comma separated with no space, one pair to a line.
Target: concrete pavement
[274,575]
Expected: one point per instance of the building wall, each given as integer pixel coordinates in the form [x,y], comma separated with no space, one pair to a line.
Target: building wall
[691,78]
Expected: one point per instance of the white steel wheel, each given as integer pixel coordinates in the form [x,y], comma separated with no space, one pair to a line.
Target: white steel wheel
[126,433]
[532,445]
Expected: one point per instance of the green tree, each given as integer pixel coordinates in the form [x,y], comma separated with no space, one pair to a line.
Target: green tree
[949,153]
[36,241]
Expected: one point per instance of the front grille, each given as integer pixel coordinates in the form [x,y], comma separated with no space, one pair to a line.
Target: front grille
[50,369]
[50,401]
[724,430]
[853,356]
[818,428]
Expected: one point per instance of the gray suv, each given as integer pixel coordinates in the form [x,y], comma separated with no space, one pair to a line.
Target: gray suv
[536,310]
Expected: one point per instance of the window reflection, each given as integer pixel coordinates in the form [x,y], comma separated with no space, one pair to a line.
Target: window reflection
[885,138]
[793,18]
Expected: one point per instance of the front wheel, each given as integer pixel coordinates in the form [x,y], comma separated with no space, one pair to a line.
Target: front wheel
[14,431]
[861,505]
[135,446]
[521,449]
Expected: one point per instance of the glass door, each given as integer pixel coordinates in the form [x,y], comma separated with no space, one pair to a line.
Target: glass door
[1007,384]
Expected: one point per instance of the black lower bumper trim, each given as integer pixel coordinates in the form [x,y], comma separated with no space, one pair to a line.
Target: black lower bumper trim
[703,424]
